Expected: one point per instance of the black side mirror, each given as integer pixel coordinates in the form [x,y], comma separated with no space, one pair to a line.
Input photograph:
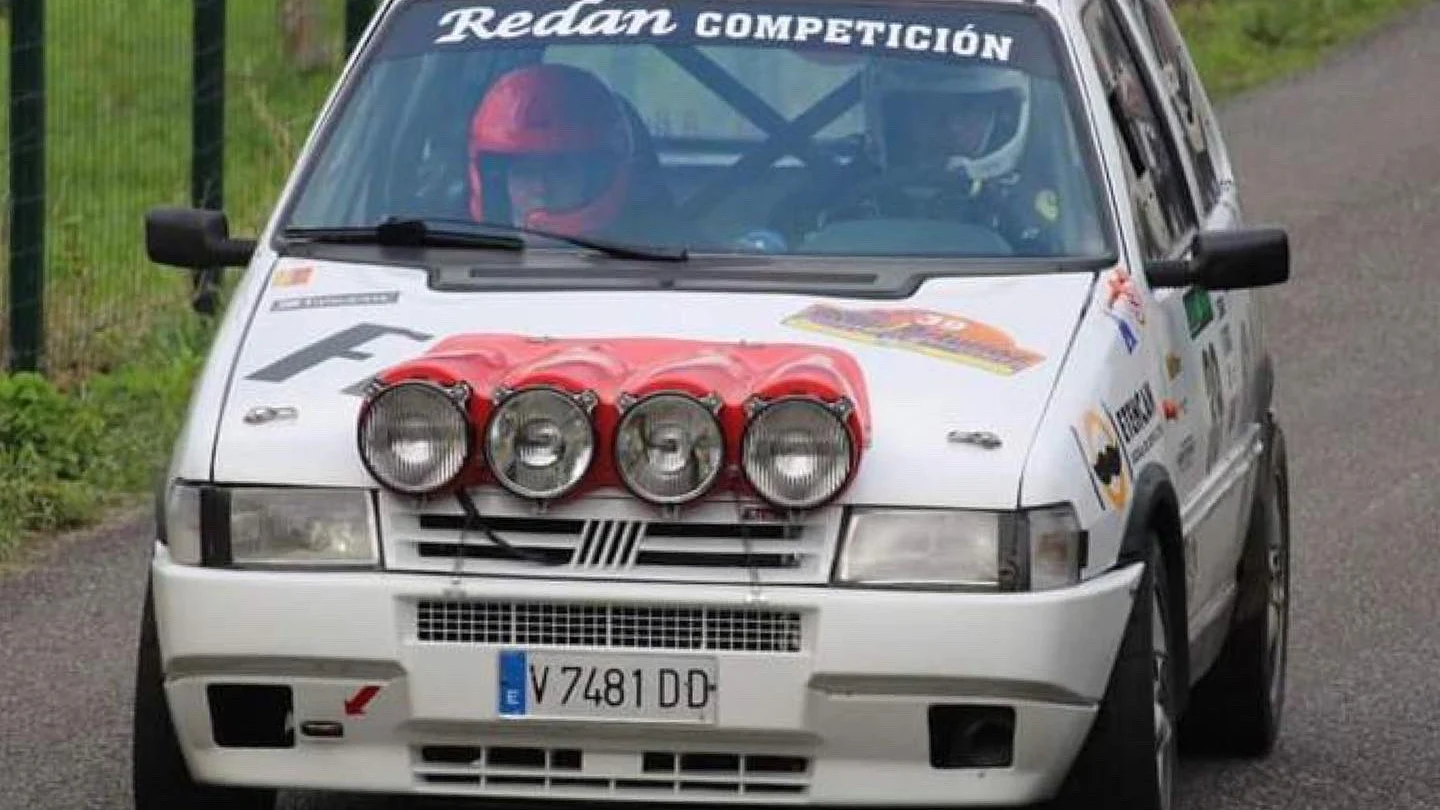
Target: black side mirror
[195,238]
[1228,260]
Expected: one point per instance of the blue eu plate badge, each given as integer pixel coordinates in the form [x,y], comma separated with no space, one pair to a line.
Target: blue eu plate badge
[512,683]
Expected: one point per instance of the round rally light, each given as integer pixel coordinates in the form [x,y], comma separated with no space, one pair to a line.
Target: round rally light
[415,437]
[540,443]
[669,449]
[797,453]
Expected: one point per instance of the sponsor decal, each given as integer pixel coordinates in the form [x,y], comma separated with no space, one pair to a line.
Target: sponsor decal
[293,277]
[935,334]
[1215,396]
[366,299]
[1124,306]
[1185,458]
[675,24]
[1047,205]
[355,704]
[1173,366]
[1137,412]
[1135,416]
[1171,409]
[342,345]
[1199,310]
[1100,448]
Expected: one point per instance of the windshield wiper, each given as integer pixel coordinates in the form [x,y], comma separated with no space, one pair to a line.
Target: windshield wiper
[441,232]
[618,250]
[397,232]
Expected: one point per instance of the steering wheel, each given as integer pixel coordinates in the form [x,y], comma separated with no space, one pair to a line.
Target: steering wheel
[943,197]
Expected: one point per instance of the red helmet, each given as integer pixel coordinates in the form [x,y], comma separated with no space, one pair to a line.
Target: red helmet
[559,118]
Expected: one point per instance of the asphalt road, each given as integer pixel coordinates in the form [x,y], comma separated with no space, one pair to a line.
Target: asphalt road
[1348,158]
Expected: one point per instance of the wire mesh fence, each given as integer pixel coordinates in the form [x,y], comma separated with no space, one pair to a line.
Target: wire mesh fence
[121,131]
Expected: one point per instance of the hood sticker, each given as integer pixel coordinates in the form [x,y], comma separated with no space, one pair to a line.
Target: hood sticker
[936,334]
[362,299]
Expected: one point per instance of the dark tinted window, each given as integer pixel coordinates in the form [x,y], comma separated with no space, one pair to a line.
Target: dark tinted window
[1158,191]
[1183,89]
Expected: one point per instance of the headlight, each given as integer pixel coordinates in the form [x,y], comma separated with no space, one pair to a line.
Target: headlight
[301,527]
[947,549]
[669,449]
[797,453]
[415,437]
[540,443]
[1032,550]
[259,526]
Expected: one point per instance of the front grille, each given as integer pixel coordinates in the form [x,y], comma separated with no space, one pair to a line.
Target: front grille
[636,627]
[644,774]
[612,538]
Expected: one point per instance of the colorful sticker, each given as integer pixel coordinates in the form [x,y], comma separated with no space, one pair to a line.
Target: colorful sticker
[931,333]
[1173,366]
[293,277]
[1047,205]
[1124,306]
[1199,310]
[1171,409]
[1100,448]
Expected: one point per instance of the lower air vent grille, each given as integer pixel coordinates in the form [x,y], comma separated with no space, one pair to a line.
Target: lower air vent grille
[602,625]
[564,771]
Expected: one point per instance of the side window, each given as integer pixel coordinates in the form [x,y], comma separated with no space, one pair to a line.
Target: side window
[1185,94]
[1158,190]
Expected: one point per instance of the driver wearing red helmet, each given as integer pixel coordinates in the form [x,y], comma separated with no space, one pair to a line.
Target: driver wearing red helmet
[551,148]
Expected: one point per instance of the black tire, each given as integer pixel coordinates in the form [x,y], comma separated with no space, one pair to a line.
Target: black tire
[1120,764]
[160,778]
[1235,710]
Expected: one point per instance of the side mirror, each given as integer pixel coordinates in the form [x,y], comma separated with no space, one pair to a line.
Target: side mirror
[194,238]
[1228,260]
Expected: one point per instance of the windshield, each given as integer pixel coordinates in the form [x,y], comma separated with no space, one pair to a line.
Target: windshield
[776,128]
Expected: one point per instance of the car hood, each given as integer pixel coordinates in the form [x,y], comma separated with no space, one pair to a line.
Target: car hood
[957,375]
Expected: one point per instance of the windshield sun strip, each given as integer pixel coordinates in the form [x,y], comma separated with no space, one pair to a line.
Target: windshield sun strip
[760,114]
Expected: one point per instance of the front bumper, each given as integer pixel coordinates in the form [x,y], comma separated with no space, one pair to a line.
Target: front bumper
[833,711]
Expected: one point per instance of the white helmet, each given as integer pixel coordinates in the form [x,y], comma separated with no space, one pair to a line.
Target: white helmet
[906,104]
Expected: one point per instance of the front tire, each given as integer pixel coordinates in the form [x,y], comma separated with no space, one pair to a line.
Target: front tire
[1235,709]
[1129,759]
[160,778]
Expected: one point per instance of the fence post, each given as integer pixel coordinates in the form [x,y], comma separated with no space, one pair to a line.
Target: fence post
[357,16]
[27,184]
[207,150]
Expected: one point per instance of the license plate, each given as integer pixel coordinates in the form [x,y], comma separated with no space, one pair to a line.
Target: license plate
[608,687]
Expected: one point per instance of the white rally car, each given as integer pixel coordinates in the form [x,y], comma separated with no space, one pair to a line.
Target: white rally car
[785,402]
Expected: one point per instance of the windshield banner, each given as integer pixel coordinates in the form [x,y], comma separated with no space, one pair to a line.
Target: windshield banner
[993,36]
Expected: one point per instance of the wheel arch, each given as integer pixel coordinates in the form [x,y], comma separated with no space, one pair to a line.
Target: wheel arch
[1156,508]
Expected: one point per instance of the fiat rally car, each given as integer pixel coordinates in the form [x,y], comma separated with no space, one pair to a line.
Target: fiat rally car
[782,402]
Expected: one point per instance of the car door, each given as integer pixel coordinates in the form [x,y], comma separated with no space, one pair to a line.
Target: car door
[1226,324]
[1197,389]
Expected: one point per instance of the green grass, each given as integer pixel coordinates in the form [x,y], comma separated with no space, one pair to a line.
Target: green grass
[1240,44]
[122,347]
[68,454]
[118,127]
